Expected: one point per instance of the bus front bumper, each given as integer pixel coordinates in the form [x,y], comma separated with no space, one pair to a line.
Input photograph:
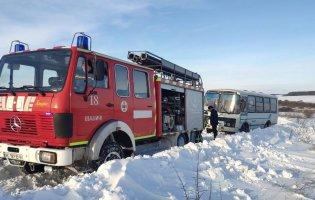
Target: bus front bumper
[227,129]
[45,156]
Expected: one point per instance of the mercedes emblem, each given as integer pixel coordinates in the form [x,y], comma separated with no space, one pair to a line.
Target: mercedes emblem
[15,124]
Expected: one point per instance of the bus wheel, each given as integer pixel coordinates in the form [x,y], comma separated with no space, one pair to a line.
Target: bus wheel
[245,128]
[110,151]
[268,124]
[181,140]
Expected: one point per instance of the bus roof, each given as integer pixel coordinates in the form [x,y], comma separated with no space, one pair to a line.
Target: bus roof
[244,92]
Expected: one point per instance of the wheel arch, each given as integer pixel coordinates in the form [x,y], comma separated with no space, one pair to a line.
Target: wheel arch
[245,123]
[120,132]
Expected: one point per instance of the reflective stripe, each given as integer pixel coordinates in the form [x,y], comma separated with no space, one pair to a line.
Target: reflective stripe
[142,114]
[78,143]
[144,137]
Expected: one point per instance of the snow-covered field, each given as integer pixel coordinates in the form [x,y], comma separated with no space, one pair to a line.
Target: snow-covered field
[273,163]
[306,99]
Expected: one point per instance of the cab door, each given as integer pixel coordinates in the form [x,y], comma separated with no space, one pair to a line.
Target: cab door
[91,100]
[144,103]
[123,100]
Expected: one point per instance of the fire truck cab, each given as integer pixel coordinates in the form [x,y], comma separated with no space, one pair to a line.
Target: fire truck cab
[63,106]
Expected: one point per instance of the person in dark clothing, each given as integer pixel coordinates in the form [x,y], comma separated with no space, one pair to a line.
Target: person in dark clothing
[214,121]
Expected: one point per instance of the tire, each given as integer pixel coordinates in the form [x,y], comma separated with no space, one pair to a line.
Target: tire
[181,140]
[37,168]
[268,124]
[109,151]
[245,128]
[198,137]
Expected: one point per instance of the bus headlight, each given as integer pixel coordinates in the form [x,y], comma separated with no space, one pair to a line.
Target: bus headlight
[230,123]
[48,157]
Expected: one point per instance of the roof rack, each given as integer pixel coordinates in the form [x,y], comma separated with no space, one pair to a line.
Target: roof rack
[165,68]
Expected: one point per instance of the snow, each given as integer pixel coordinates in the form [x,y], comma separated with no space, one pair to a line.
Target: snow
[306,98]
[273,163]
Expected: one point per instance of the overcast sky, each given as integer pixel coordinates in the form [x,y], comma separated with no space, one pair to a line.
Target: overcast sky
[260,45]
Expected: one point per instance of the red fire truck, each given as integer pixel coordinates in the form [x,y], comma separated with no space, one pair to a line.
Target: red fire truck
[63,106]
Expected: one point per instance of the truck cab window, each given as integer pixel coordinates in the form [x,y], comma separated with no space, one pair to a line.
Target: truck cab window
[90,73]
[80,76]
[104,82]
[141,85]
[122,81]
[25,74]
[47,74]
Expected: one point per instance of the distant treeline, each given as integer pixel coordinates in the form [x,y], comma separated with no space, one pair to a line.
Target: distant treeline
[300,93]
[296,104]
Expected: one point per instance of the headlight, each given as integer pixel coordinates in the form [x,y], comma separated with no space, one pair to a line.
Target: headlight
[48,157]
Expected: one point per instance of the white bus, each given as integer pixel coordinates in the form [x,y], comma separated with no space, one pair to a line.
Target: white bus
[240,110]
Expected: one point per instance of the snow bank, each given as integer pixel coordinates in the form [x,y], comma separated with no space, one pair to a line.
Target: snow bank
[273,163]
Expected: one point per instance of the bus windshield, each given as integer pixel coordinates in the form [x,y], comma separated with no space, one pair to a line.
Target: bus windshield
[44,71]
[212,99]
[229,103]
[224,102]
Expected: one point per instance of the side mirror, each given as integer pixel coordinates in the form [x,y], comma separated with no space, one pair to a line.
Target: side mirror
[100,70]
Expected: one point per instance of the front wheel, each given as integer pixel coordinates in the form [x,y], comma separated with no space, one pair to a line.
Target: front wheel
[181,140]
[245,128]
[109,151]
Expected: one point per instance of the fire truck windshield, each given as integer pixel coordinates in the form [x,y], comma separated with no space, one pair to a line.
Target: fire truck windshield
[43,71]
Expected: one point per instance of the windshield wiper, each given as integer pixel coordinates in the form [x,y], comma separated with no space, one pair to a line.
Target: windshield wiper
[33,87]
[9,89]
[3,88]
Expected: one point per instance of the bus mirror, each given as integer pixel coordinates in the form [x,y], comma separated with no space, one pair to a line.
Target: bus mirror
[99,70]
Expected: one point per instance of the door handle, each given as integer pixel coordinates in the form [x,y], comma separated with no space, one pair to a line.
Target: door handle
[150,106]
[110,105]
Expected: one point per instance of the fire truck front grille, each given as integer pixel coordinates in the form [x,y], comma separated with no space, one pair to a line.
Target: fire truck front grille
[30,124]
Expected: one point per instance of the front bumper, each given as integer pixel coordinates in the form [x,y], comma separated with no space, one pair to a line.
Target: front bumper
[29,154]
[226,129]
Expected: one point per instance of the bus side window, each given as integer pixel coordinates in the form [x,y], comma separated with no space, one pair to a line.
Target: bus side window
[259,104]
[266,105]
[251,104]
[243,104]
[273,103]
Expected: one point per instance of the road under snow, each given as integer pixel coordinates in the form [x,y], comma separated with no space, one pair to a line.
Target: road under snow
[273,163]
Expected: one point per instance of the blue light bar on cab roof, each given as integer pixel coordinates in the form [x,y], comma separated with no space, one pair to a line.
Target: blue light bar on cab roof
[84,41]
[18,46]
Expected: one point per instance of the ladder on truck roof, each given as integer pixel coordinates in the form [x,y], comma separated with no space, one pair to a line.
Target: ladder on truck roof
[164,68]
